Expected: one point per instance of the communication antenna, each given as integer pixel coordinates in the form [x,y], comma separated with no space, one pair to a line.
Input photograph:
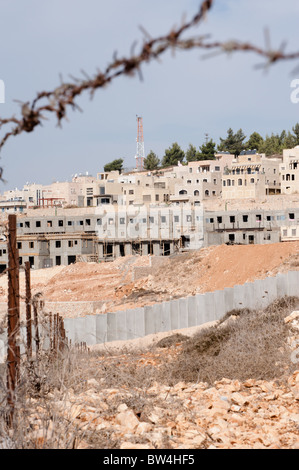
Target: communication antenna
[140,145]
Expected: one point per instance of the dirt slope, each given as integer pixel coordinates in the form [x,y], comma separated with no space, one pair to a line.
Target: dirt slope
[204,270]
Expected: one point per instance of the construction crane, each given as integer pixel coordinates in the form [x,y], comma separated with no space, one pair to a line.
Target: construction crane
[140,145]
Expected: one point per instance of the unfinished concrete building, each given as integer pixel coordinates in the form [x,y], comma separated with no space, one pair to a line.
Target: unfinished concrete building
[113,231]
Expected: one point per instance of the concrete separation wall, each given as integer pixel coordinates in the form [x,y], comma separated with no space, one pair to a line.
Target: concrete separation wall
[166,316]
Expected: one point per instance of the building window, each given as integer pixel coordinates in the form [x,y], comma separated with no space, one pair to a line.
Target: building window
[151,220]
[99,221]
[31,244]
[157,197]
[245,218]
[38,223]
[176,218]
[232,219]
[27,224]
[58,244]
[49,223]
[239,182]
[71,243]
[291,216]
[258,217]
[60,223]
[19,245]
[87,221]
[163,219]
[219,220]
[122,220]
[189,218]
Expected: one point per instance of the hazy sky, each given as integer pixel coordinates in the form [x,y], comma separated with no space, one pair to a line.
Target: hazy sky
[180,98]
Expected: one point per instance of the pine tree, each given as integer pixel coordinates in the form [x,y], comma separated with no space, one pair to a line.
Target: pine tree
[173,155]
[151,162]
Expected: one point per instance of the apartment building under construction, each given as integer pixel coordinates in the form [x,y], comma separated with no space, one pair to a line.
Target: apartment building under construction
[50,240]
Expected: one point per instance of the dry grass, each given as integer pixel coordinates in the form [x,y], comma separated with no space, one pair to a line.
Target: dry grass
[245,344]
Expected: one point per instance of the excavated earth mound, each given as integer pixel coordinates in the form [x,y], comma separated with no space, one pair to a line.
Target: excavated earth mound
[117,285]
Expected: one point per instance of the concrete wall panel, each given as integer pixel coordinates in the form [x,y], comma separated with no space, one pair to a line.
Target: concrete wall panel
[281,284]
[121,327]
[111,327]
[149,320]
[293,281]
[210,306]
[101,328]
[174,314]
[219,304]
[192,310]
[183,313]
[201,311]
[165,316]
[90,329]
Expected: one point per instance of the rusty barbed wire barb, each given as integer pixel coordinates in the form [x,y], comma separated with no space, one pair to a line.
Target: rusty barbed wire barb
[63,96]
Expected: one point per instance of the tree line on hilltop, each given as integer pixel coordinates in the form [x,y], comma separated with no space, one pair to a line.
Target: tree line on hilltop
[234,143]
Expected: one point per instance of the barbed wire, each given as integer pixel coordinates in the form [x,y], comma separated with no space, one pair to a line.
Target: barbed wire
[63,97]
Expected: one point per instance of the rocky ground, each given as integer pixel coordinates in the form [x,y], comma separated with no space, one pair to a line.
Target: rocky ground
[231,384]
[134,397]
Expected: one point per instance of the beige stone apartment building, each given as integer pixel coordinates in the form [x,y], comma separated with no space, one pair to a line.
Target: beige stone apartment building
[289,171]
[251,176]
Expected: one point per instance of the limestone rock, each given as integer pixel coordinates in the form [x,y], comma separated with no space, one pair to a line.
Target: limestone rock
[127,419]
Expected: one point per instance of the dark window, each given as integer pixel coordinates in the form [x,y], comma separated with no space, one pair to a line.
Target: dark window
[219,220]
[232,219]
[37,223]
[58,244]
[291,216]
[245,218]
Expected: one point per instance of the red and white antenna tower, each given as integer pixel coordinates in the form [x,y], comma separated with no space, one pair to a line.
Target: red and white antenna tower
[140,145]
